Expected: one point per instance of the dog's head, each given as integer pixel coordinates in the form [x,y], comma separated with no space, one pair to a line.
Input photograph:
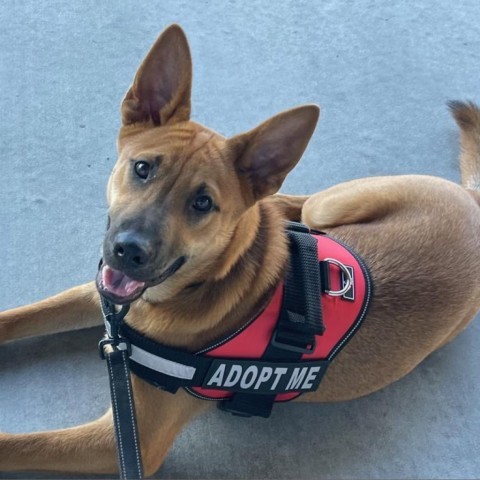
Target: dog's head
[179,190]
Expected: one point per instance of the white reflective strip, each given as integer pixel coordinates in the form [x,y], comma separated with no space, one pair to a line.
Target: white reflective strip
[162,365]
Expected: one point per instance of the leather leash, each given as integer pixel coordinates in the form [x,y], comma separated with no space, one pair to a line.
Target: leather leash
[116,350]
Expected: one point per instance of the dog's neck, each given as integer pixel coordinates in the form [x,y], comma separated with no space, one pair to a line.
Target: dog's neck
[234,290]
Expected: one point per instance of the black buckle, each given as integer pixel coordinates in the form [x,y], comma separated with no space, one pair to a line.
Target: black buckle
[293,341]
[242,405]
[225,406]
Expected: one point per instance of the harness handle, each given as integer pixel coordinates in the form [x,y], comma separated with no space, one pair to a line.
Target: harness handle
[302,312]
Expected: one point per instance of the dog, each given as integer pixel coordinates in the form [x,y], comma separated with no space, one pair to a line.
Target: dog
[183,247]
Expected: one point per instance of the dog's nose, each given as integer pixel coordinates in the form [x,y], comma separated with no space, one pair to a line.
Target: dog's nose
[131,250]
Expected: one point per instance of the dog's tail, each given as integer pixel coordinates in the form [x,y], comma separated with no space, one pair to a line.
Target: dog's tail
[467,116]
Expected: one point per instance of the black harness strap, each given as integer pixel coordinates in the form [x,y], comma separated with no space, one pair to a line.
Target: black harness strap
[300,319]
[115,349]
[198,364]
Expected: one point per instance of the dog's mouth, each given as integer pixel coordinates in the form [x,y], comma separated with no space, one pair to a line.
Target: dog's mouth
[119,288]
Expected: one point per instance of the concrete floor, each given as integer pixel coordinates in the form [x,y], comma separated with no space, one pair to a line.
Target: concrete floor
[381,71]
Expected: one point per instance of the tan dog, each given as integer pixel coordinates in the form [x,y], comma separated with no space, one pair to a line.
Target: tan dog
[193,228]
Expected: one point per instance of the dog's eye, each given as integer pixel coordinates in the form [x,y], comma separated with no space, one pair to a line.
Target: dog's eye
[142,169]
[203,203]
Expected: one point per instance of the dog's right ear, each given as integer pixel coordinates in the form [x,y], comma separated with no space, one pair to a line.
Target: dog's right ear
[264,156]
[161,90]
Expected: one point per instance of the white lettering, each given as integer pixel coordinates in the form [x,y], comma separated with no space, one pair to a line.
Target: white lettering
[312,375]
[296,378]
[253,371]
[234,376]
[217,377]
[229,375]
[279,372]
[265,375]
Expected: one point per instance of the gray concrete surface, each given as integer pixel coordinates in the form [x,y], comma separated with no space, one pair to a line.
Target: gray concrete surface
[381,71]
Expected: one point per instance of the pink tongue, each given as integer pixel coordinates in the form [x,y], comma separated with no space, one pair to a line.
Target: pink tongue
[118,283]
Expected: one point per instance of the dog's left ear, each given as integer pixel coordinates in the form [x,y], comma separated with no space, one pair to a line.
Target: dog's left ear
[161,90]
[264,156]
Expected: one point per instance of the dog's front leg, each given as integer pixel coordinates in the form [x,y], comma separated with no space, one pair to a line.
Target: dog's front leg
[160,417]
[90,448]
[73,309]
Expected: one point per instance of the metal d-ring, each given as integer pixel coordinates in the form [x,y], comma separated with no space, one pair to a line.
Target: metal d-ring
[348,278]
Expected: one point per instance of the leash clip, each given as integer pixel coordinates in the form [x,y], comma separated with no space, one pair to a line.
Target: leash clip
[113,320]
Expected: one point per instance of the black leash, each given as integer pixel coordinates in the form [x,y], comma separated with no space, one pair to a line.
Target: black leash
[116,350]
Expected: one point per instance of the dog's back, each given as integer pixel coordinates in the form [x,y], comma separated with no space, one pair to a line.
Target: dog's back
[420,237]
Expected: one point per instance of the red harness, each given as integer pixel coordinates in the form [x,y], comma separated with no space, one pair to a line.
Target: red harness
[342,316]
[281,353]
